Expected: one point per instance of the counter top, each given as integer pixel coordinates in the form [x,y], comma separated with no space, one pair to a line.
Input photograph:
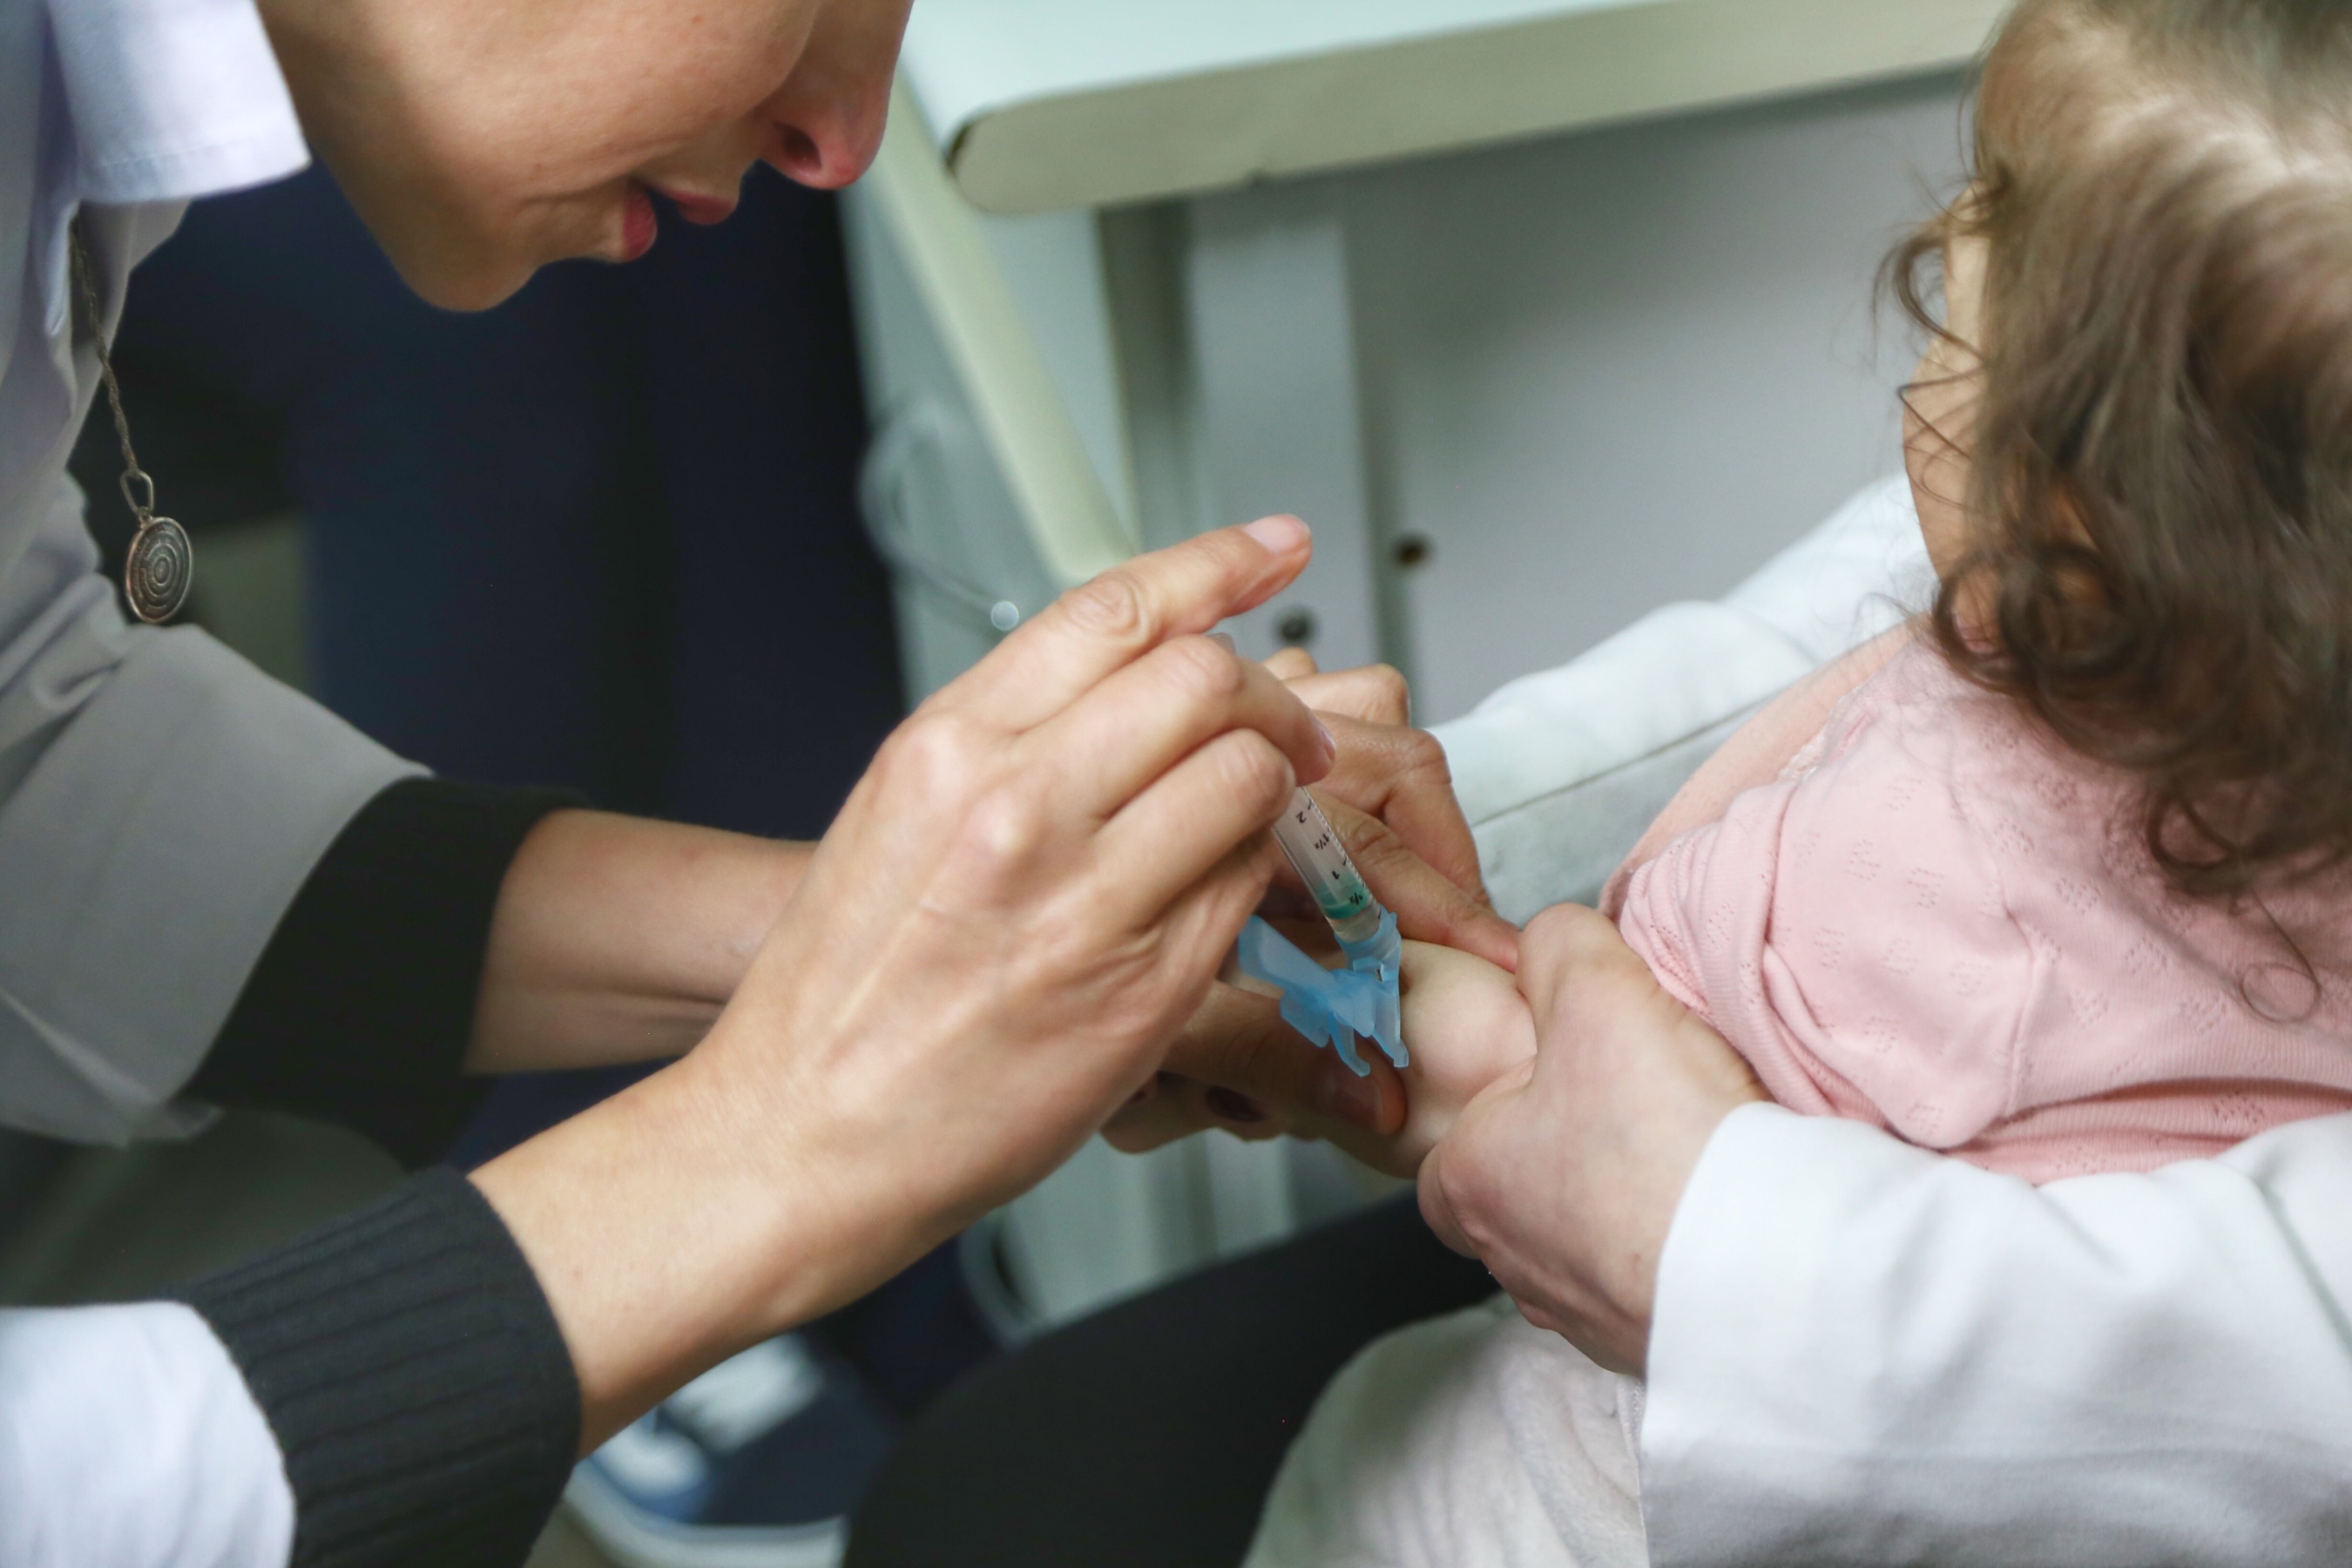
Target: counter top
[1039,105]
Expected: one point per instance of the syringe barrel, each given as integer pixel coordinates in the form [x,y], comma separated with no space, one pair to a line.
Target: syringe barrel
[1315,852]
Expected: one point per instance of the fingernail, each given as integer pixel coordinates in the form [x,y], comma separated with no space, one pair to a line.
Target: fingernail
[1330,741]
[1231,1106]
[1280,534]
[1349,1099]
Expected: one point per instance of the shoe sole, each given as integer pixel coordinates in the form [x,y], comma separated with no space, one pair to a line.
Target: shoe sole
[636,1539]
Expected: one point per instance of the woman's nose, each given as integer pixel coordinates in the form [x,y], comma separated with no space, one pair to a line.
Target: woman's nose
[825,138]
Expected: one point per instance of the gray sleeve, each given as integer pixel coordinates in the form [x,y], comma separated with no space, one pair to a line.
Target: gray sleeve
[160,803]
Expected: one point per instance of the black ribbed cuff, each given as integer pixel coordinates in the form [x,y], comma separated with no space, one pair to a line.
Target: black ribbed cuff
[361,1008]
[413,1374]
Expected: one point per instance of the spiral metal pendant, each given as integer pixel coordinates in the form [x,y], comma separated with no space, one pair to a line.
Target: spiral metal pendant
[162,567]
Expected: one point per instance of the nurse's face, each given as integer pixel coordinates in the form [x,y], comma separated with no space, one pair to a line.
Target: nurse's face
[483,139]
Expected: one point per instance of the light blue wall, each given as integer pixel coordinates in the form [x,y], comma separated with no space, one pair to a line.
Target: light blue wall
[1614,369]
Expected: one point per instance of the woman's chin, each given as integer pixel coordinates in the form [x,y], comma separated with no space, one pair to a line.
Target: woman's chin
[464,278]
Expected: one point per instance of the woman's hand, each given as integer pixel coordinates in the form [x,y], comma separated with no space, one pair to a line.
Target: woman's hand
[1466,1025]
[1390,794]
[1236,1065]
[1021,902]
[1563,1176]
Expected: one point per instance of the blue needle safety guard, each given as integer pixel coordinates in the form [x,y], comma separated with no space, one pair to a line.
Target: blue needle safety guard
[1333,1007]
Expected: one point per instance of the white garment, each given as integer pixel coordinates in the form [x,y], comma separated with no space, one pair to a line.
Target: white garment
[1472,1440]
[1560,771]
[161,800]
[1868,1355]
[127,1440]
[1863,1355]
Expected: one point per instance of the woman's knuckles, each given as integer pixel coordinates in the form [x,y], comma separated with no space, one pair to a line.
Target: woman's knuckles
[1252,772]
[938,755]
[1420,761]
[1373,694]
[1004,834]
[1202,672]
[1112,609]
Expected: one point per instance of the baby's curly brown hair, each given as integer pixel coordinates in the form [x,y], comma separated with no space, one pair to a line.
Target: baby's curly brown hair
[2159,555]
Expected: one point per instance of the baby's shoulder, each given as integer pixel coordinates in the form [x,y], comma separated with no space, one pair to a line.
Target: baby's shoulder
[1925,780]
[1921,719]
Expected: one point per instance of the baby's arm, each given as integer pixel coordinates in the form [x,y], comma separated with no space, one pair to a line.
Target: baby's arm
[1466,1026]
[1848,929]
[1758,752]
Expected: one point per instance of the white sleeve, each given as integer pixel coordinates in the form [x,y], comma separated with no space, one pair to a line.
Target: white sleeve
[1559,773]
[1866,1354]
[128,1440]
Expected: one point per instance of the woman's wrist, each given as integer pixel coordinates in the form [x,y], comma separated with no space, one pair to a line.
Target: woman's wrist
[671,1227]
[618,939]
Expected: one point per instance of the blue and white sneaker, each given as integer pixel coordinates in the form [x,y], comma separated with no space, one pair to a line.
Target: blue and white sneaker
[755,1464]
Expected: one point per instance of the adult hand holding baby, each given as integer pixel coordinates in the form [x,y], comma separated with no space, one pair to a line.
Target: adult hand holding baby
[1563,1175]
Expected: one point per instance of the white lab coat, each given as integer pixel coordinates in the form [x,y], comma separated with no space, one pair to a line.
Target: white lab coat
[1863,1354]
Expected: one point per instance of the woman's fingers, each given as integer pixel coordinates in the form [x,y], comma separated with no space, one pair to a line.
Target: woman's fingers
[1430,907]
[1460,1164]
[1401,776]
[1102,625]
[1140,722]
[1374,693]
[1177,1107]
[1291,664]
[1575,960]
[1236,1041]
[1171,836]
[1236,1065]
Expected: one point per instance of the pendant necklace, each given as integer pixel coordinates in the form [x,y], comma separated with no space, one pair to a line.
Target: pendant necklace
[161,562]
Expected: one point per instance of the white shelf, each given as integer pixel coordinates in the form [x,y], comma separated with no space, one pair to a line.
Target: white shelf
[1040,105]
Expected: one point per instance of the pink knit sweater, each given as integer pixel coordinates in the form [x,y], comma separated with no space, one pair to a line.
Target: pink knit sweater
[1936,920]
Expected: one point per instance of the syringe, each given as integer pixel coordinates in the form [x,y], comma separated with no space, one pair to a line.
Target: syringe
[1333,1007]
[1315,852]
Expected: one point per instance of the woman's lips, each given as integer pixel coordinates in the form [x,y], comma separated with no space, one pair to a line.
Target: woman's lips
[639,226]
[705,210]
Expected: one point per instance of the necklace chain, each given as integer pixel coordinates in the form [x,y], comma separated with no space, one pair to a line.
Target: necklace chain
[161,562]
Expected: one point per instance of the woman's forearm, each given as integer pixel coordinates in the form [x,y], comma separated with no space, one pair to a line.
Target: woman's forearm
[619,940]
